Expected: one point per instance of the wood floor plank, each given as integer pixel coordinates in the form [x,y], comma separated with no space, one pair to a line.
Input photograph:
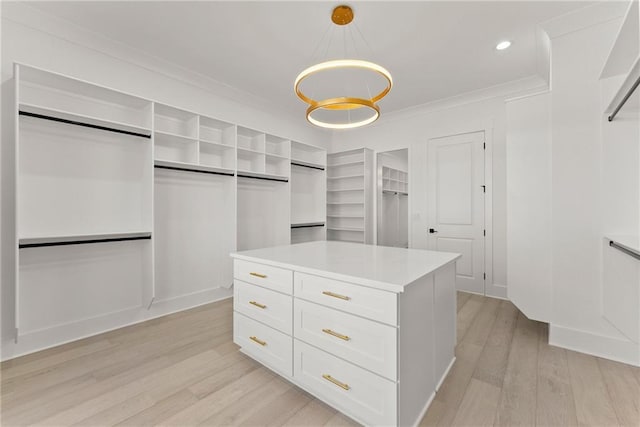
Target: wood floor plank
[480,328]
[314,413]
[217,401]
[492,364]
[593,404]
[478,407]
[461,299]
[161,410]
[467,314]
[341,420]
[555,404]
[519,389]
[280,409]
[624,391]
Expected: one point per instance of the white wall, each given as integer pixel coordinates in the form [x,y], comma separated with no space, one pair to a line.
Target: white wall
[413,128]
[34,38]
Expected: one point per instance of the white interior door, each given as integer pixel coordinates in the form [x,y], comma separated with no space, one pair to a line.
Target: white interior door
[456,204]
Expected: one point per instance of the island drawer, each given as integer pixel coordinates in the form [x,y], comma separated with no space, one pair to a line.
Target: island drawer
[270,347]
[371,303]
[363,342]
[264,305]
[367,397]
[277,279]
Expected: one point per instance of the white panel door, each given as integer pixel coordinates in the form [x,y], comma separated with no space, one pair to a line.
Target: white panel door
[456,204]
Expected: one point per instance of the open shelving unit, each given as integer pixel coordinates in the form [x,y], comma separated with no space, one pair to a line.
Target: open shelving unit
[350,192]
[133,206]
[308,193]
[395,181]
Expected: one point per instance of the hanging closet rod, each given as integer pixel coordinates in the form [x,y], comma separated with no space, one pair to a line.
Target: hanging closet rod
[82,242]
[87,125]
[263,177]
[186,169]
[625,99]
[308,225]
[304,165]
[623,249]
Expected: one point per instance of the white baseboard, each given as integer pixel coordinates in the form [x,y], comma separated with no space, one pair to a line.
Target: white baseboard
[61,334]
[596,345]
[425,409]
[446,372]
[495,290]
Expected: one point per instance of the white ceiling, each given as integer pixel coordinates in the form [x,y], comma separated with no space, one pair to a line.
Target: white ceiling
[434,50]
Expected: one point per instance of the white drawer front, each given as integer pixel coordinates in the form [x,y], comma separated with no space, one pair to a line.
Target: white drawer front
[272,308]
[275,278]
[270,347]
[363,342]
[366,302]
[366,397]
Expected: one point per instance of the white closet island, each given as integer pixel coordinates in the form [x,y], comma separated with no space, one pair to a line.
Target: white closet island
[370,330]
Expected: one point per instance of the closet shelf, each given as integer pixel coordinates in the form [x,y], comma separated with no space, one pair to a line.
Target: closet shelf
[249,150]
[277,156]
[346,216]
[309,165]
[174,136]
[337,165]
[61,116]
[191,167]
[308,224]
[345,189]
[79,239]
[214,144]
[345,176]
[265,176]
[345,203]
[358,230]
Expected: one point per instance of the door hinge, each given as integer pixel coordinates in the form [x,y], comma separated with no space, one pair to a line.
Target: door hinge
[484,188]
[484,145]
[484,276]
[484,232]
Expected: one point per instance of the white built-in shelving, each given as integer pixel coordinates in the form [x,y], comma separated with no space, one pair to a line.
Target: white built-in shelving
[308,193]
[394,181]
[129,204]
[350,192]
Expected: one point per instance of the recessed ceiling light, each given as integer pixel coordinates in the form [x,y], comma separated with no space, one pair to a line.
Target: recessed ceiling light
[503,45]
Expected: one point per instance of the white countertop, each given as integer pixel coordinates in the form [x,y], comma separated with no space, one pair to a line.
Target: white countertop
[379,267]
[628,241]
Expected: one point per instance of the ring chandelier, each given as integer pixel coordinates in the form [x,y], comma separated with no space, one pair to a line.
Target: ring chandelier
[343,15]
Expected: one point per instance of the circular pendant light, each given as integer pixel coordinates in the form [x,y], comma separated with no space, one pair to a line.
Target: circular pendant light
[343,15]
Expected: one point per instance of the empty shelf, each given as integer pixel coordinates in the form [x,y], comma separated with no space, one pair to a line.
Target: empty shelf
[191,167]
[307,164]
[37,242]
[174,136]
[359,230]
[75,119]
[345,176]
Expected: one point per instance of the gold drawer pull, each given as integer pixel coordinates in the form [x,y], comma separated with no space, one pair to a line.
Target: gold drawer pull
[335,334]
[257,304]
[331,294]
[262,276]
[259,341]
[336,382]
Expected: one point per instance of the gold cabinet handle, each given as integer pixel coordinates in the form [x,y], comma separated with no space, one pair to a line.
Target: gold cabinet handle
[259,341]
[262,276]
[335,334]
[336,382]
[331,294]
[257,304]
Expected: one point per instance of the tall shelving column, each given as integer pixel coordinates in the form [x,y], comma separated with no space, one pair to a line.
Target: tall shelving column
[84,172]
[308,193]
[263,192]
[350,192]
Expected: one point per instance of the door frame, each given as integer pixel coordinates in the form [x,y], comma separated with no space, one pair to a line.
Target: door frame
[490,288]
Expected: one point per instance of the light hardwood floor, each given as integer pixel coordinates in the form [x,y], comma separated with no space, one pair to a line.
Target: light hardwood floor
[183,369]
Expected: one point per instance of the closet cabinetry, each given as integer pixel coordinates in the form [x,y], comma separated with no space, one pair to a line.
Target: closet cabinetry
[308,193]
[133,206]
[350,192]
